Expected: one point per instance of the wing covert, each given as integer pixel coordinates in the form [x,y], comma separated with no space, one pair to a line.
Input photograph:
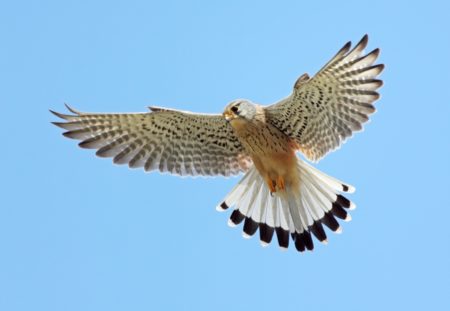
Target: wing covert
[167,140]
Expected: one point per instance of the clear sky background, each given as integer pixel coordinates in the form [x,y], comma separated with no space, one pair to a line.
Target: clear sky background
[79,233]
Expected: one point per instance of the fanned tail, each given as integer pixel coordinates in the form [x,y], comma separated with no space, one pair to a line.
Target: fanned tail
[296,212]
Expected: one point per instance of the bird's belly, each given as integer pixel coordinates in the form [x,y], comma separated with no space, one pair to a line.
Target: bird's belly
[278,165]
[272,152]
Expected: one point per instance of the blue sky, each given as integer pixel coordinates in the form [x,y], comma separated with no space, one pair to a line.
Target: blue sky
[79,233]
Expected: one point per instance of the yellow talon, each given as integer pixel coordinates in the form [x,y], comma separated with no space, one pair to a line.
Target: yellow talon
[280,183]
[272,185]
[277,185]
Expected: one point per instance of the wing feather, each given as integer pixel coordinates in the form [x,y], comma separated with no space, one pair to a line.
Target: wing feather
[322,112]
[167,140]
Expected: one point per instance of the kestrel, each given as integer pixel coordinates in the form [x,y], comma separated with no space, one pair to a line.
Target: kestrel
[279,192]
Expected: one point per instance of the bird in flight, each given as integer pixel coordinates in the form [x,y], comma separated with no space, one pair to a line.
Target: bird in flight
[280,194]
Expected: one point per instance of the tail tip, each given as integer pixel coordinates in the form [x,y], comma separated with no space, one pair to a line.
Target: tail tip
[231,223]
[222,207]
[264,244]
[348,188]
[246,235]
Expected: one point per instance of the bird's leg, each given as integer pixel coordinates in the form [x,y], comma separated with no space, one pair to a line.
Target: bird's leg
[280,183]
[275,185]
[271,184]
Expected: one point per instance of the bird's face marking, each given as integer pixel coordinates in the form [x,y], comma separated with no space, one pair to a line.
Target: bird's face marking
[239,109]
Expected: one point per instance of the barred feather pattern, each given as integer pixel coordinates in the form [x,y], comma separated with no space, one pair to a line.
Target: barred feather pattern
[296,214]
[167,140]
[322,112]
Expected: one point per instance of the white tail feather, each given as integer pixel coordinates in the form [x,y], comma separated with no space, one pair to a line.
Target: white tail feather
[295,211]
[331,181]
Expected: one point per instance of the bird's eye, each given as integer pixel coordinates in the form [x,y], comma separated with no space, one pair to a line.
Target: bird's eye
[235,109]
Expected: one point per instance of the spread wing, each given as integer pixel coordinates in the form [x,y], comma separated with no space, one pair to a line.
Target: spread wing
[322,112]
[167,140]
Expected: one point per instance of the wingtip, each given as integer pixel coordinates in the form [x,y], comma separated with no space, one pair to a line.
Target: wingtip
[74,111]
[54,112]
[363,41]
[69,134]
[60,115]
[361,45]
[346,46]
[59,124]
[66,116]
[365,38]
[376,52]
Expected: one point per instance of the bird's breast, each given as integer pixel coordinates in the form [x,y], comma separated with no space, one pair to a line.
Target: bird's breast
[260,138]
[272,152]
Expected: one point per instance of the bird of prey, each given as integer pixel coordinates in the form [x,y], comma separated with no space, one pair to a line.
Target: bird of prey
[280,194]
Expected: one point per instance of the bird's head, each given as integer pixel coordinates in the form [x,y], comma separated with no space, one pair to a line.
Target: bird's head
[239,109]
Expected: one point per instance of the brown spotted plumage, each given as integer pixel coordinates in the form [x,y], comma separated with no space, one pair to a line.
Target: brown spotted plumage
[166,140]
[279,194]
[323,111]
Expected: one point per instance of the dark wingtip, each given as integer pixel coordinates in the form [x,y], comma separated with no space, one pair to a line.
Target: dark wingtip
[72,109]
[84,144]
[69,134]
[346,47]
[376,52]
[365,39]
[361,45]
[58,124]
[363,42]
[60,115]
